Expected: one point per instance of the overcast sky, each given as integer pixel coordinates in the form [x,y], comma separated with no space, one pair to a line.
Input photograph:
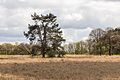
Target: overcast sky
[76,17]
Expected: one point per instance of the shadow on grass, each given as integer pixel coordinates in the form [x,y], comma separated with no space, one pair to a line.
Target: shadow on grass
[63,70]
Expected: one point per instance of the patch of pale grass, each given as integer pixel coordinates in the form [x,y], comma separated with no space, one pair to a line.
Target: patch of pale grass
[88,58]
[72,67]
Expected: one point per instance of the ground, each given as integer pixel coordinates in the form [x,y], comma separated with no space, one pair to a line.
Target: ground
[72,67]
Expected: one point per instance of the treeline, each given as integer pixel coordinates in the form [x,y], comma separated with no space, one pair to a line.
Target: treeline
[14,49]
[23,49]
[100,42]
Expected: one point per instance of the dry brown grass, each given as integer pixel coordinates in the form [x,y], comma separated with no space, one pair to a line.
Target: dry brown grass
[72,67]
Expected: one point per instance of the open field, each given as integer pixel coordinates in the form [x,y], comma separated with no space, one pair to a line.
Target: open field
[80,67]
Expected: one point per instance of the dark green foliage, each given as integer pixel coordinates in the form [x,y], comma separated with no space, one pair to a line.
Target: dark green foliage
[61,53]
[35,50]
[45,33]
[51,53]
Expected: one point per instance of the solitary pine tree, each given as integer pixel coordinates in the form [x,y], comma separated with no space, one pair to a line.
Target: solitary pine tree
[46,33]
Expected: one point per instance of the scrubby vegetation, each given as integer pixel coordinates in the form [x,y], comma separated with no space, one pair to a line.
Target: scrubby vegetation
[72,67]
[14,49]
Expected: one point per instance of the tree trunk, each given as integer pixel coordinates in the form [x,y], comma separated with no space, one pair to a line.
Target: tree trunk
[100,50]
[43,55]
[109,46]
[44,42]
[109,50]
[43,51]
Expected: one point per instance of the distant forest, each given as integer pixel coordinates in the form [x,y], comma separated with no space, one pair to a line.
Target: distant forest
[100,42]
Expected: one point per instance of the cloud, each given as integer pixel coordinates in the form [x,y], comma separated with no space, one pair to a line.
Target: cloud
[109,0]
[77,18]
[74,16]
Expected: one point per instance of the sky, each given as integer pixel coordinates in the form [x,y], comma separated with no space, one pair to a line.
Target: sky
[76,17]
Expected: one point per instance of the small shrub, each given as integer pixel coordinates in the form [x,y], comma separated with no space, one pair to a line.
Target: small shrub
[51,53]
[61,53]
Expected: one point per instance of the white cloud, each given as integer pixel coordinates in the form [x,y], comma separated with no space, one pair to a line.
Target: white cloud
[74,17]
[22,0]
[4,29]
[77,18]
